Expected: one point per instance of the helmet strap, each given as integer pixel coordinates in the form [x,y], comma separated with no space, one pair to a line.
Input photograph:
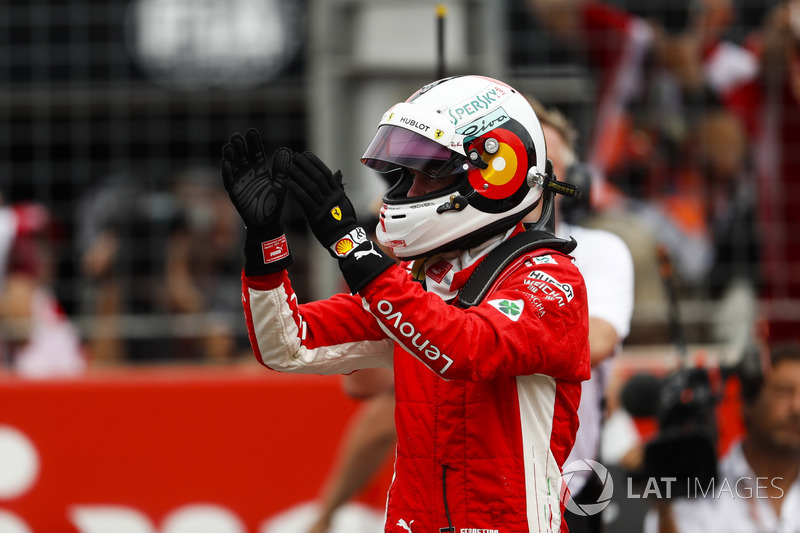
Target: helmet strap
[547,220]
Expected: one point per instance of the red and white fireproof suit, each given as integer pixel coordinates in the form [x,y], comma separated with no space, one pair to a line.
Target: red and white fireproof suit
[487,396]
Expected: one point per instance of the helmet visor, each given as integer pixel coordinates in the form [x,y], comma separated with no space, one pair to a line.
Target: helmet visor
[394,147]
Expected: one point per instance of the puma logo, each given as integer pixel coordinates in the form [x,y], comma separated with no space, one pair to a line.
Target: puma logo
[402,523]
[359,255]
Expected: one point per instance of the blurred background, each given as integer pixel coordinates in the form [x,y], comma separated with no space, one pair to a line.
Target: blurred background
[120,255]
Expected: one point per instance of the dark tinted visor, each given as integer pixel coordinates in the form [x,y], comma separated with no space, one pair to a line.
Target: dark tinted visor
[394,147]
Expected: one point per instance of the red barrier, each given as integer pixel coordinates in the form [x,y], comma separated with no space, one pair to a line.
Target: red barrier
[247,441]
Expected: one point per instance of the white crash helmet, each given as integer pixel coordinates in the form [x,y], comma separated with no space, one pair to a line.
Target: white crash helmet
[474,126]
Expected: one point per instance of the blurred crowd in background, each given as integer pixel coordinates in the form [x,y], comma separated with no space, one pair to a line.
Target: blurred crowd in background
[118,243]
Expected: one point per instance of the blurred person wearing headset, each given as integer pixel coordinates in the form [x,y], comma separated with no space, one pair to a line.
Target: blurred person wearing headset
[487,376]
[607,268]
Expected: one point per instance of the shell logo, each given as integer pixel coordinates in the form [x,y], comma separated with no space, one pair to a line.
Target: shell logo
[344,246]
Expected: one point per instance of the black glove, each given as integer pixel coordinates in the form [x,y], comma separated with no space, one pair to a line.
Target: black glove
[332,219]
[329,212]
[258,196]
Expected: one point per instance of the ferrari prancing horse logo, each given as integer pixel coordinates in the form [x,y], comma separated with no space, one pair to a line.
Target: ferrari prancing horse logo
[337,213]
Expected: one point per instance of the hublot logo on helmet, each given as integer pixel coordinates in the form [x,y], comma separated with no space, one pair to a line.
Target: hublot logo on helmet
[415,124]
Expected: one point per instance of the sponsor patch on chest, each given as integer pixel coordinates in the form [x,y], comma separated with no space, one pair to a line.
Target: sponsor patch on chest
[553,289]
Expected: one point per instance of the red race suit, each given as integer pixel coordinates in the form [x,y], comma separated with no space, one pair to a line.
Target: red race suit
[487,396]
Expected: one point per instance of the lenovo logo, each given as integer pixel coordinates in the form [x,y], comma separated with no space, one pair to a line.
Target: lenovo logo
[394,319]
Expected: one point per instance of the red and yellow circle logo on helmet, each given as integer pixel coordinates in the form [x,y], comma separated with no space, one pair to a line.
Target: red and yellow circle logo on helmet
[507,169]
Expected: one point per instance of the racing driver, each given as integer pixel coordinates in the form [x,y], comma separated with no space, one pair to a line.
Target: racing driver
[484,323]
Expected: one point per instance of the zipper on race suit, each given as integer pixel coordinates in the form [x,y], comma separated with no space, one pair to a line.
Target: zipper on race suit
[449,528]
